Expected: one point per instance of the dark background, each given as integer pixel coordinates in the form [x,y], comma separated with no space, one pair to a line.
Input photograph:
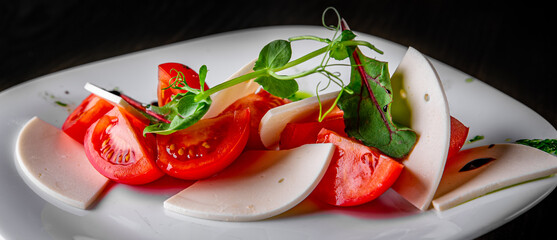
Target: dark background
[507,45]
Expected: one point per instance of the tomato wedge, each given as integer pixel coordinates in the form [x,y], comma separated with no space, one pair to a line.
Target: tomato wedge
[167,74]
[88,111]
[357,174]
[204,148]
[300,133]
[258,103]
[116,147]
[459,133]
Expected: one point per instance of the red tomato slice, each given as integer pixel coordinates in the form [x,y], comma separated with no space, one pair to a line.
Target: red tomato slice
[116,147]
[258,103]
[204,148]
[88,111]
[357,174]
[166,75]
[459,133]
[300,133]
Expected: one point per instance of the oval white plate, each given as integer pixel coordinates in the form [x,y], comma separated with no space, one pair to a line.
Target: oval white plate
[138,213]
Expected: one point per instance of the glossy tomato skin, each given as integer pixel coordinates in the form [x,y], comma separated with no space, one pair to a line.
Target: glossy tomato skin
[166,75]
[206,147]
[258,103]
[305,132]
[357,174]
[116,147]
[88,111]
[459,133]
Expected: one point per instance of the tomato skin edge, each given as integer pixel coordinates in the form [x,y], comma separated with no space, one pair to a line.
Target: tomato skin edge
[459,133]
[337,188]
[142,171]
[198,169]
[84,115]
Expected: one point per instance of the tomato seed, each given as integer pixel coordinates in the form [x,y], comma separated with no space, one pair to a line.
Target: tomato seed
[107,129]
[370,160]
[109,155]
[104,150]
[105,142]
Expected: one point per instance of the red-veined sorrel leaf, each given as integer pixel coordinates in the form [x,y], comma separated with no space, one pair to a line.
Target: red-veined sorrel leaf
[367,111]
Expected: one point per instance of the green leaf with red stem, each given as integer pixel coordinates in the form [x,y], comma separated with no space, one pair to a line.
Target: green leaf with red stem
[367,110]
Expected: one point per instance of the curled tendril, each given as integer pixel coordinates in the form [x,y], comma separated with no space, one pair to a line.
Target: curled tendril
[331,27]
[178,82]
[322,114]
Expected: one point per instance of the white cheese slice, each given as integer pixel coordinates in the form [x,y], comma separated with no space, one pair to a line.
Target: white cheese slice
[258,185]
[275,120]
[429,117]
[225,97]
[111,97]
[55,164]
[509,164]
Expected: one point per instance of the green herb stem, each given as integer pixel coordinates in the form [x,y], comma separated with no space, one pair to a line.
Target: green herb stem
[262,72]
[294,76]
[303,59]
[228,84]
[298,38]
[362,43]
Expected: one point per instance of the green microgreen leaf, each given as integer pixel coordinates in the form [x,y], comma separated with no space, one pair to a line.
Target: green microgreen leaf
[279,88]
[274,55]
[183,111]
[202,75]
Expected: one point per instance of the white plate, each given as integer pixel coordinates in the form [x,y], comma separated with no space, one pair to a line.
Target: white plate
[137,212]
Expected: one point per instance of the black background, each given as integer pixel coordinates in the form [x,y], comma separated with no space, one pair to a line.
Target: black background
[507,45]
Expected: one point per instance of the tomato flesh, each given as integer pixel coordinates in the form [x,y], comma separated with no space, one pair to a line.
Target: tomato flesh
[258,103]
[357,174]
[116,147]
[300,133]
[88,111]
[459,133]
[204,148]
[167,73]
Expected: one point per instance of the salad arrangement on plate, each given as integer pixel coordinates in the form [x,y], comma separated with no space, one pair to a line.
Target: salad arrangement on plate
[257,133]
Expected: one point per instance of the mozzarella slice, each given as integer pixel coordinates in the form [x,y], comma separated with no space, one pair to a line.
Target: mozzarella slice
[259,184]
[509,164]
[275,120]
[430,118]
[54,164]
[225,97]
[111,97]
